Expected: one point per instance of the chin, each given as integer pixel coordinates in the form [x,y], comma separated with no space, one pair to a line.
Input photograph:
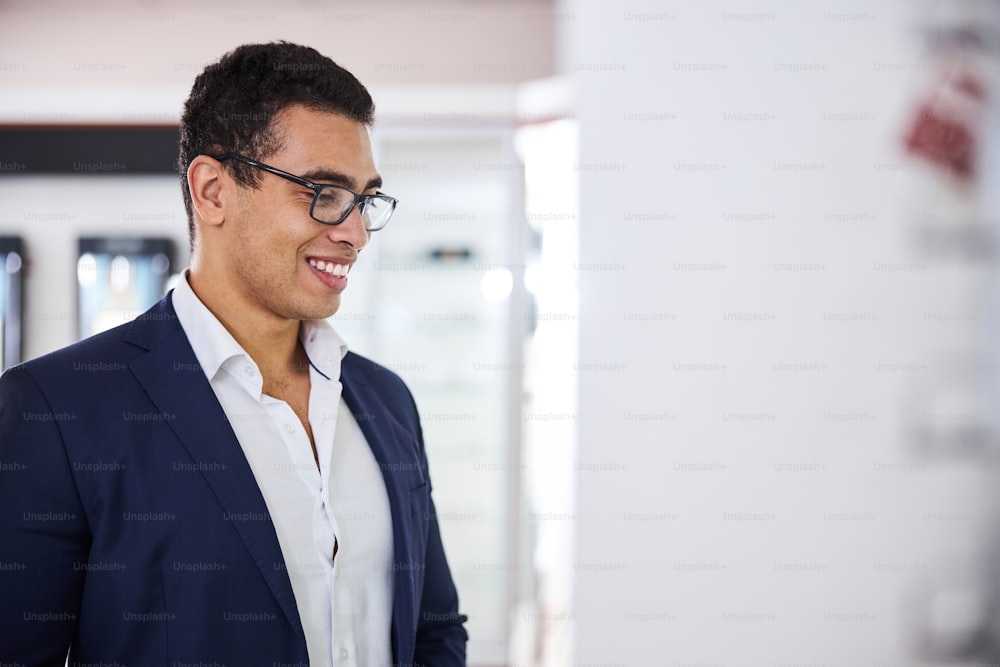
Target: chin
[322,312]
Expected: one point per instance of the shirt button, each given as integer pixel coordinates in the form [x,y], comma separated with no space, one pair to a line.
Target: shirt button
[249,371]
[289,429]
[344,655]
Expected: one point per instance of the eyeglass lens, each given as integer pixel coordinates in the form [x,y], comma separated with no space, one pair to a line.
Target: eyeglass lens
[334,204]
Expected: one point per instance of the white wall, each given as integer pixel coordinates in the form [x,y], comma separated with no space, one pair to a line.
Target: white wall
[755,317]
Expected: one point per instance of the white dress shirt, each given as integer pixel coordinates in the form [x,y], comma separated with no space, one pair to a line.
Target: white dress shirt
[345,603]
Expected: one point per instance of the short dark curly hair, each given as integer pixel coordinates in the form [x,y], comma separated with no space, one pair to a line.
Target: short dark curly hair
[234,102]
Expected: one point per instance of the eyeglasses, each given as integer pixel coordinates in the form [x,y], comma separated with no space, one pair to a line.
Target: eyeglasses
[332,203]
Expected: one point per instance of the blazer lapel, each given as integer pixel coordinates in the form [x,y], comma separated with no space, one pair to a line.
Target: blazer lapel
[171,376]
[377,424]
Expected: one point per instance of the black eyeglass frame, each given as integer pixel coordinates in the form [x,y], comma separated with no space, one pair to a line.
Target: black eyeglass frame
[317,188]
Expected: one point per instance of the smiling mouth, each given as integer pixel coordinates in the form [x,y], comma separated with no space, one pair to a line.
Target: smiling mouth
[334,269]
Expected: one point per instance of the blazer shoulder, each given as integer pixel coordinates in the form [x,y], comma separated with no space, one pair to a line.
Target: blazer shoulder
[109,350]
[364,370]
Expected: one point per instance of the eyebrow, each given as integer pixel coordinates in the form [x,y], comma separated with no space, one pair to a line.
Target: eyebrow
[339,178]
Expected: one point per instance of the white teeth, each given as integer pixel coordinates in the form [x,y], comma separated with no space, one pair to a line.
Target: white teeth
[332,268]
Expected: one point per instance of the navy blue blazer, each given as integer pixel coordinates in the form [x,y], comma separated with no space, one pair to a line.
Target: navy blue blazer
[132,530]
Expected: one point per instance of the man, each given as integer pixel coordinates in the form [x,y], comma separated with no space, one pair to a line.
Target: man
[220,481]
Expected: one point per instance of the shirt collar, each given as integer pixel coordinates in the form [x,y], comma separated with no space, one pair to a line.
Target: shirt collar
[217,350]
[324,347]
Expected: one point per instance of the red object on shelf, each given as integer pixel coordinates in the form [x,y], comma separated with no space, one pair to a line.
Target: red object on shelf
[945,129]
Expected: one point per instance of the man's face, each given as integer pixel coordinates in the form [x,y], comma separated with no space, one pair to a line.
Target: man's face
[279,257]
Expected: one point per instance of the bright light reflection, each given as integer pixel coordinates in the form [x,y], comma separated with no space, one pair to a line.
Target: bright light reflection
[497,284]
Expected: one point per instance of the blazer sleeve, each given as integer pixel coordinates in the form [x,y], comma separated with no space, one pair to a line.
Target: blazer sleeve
[44,539]
[441,635]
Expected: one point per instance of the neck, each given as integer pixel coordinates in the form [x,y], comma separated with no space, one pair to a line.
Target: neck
[272,342]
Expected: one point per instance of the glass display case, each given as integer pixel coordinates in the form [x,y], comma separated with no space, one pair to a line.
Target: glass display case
[118,279]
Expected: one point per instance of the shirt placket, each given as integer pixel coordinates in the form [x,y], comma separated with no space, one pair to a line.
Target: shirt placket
[324,403]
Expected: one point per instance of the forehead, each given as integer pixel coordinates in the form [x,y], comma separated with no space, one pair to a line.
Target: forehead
[311,139]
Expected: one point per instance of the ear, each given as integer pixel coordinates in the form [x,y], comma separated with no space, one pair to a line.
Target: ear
[205,182]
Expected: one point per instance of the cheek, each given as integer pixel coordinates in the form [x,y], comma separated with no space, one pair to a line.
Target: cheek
[269,234]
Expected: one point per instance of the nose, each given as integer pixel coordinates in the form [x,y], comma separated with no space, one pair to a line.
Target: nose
[351,231]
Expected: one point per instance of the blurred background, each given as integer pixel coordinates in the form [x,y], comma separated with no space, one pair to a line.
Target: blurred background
[697,300]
